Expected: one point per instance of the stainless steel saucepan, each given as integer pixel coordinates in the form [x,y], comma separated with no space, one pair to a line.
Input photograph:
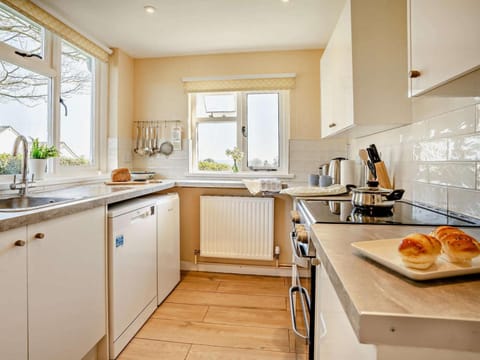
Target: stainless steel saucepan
[372,196]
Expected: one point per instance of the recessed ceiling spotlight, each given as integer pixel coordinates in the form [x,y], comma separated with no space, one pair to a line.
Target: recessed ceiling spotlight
[149,9]
[285,1]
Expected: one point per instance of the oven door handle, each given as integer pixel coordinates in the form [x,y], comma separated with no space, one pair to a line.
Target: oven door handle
[305,302]
[298,259]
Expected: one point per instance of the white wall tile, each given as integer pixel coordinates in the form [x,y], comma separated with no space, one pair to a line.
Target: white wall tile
[433,195]
[436,150]
[478,117]
[464,201]
[464,148]
[478,176]
[453,174]
[452,123]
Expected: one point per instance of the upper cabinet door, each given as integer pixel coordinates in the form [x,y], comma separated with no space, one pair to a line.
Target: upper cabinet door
[444,41]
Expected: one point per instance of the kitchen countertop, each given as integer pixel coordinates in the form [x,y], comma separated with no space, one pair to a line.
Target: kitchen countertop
[86,196]
[384,307]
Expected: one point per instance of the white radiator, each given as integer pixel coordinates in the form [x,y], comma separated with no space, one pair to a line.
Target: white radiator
[236,227]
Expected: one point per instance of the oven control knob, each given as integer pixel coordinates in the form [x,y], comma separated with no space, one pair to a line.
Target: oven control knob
[295,216]
[299,228]
[302,236]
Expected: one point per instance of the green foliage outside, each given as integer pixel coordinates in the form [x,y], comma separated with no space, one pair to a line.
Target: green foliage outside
[9,164]
[81,161]
[42,151]
[212,165]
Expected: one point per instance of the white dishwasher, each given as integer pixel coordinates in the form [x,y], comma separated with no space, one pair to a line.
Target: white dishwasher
[132,251]
[168,243]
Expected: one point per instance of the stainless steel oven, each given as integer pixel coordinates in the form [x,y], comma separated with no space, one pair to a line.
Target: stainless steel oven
[303,289]
[303,292]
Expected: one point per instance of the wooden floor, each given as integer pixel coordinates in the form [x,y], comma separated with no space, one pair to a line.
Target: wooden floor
[219,316]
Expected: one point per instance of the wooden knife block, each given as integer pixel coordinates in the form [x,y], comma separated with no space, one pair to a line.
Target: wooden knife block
[382,175]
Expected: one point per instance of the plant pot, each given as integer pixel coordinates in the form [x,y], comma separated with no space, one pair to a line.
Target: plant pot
[37,167]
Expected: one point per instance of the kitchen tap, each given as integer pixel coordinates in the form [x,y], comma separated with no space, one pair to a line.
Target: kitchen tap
[23,190]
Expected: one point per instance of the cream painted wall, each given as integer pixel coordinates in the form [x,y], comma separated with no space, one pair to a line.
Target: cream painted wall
[159,93]
[121,105]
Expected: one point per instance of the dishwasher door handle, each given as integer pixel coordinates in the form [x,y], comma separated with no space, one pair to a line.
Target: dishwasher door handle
[142,215]
[305,302]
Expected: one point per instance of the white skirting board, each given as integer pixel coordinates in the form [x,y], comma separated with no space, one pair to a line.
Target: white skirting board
[242,269]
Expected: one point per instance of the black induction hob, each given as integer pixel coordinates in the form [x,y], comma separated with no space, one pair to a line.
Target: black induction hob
[402,213]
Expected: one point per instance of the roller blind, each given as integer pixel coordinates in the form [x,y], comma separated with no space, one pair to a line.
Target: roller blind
[240,83]
[43,18]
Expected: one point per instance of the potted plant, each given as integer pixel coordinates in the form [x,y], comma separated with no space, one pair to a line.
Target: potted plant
[38,158]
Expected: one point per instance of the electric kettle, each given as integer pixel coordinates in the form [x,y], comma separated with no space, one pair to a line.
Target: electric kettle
[334,169]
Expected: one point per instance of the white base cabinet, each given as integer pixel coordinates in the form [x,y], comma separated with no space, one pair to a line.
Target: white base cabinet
[57,280]
[335,338]
[13,295]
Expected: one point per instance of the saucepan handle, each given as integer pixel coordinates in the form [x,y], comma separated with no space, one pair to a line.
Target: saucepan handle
[395,194]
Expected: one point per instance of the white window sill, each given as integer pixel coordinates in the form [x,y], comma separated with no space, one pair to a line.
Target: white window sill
[239,175]
[6,180]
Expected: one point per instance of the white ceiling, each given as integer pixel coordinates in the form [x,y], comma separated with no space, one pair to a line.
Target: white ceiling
[184,27]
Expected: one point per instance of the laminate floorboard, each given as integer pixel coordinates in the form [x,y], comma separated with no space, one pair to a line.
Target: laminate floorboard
[216,316]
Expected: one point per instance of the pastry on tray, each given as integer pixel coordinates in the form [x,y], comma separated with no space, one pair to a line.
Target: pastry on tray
[419,251]
[458,246]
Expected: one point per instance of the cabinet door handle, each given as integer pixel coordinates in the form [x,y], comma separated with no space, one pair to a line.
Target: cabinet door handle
[332,125]
[39,236]
[414,74]
[19,243]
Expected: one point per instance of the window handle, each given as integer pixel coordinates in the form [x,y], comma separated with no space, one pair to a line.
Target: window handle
[24,54]
[64,106]
[244,131]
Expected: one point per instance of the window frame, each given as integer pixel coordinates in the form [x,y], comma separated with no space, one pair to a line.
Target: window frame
[242,142]
[50,66]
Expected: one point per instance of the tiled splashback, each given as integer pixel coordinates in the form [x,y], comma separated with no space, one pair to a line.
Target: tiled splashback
[306,156]
[436,159]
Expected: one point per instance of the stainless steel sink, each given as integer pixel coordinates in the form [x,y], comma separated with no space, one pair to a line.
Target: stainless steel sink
[24,203]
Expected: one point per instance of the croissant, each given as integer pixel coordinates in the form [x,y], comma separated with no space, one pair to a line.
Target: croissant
[460,247]
[443,231]
[419,251]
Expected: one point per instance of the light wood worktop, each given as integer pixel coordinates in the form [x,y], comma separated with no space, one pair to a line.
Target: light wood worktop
[384,307]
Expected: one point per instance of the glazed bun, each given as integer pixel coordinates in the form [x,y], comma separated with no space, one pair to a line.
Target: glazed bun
[460,247]
[419,251]
[443,231]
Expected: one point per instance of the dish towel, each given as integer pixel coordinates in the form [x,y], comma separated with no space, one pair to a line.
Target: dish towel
[335,189]
[256,186]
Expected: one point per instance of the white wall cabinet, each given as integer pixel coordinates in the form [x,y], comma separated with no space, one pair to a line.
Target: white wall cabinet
[13,294]
[64,276]
[363,86]
[444,41]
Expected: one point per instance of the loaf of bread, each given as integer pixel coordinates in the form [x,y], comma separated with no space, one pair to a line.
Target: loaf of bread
[419,251]
[121,175]
[458,246]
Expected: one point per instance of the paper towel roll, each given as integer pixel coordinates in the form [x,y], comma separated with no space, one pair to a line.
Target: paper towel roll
[347,172]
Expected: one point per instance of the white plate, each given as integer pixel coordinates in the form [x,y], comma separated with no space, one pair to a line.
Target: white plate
[385,252]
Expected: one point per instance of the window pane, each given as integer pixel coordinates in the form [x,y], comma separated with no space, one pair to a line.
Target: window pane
[23,109]
[213,139]
[262,125]
[76,127]
[216,105]
[20,33]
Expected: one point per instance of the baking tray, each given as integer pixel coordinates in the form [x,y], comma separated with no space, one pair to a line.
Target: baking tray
[385,252]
